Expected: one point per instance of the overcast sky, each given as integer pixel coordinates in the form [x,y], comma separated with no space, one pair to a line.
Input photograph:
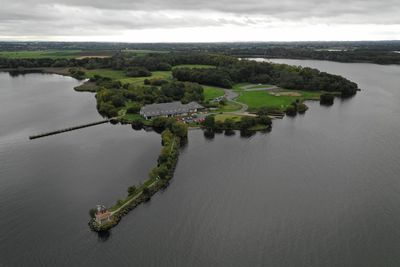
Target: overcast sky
[194,21]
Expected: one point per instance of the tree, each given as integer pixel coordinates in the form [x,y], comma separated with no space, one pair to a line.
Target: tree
[265,120]
[291,111]
[134,108]
[92,213]
[146,191]
[131,190]
[209,122]
[137,72]
[327,99]
[179,129]
[137,124]
[262,111]
[229,124]
[247,122]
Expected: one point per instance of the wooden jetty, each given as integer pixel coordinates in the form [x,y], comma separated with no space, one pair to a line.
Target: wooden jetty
[70,129]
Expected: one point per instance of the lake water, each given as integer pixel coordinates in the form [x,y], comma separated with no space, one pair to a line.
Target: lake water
[322,189]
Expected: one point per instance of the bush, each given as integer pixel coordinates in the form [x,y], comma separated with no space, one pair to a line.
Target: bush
[301,107]
[92,213]
[262,111]
[209,122]
[291,110]
[327,99]
[137,124]
[138,72]
[146,191]
[131,190]
[265,120]
[155,82]
[229,124]
[134,108]
[247,122]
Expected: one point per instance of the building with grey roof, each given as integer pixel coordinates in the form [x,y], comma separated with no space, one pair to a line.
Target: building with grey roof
[169,109]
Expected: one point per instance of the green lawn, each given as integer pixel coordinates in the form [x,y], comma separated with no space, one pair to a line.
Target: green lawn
[211,92]
[140,80]
[131,117]
[230,106]
[109,73]
[120,75]
[194,66]
[223,117]
[257,99]
[241,86]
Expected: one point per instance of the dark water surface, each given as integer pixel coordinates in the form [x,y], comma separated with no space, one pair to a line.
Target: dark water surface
[322,189]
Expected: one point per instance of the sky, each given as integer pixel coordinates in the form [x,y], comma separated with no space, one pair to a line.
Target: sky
[199,21]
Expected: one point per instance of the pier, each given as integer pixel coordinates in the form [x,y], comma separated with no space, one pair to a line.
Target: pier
[70,129]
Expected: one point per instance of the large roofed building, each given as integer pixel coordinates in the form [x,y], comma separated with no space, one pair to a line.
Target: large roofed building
[169,109]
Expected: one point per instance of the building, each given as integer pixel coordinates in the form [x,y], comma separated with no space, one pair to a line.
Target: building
[169,109]
[102,215]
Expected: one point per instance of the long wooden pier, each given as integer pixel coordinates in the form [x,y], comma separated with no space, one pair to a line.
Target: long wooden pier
[69,129]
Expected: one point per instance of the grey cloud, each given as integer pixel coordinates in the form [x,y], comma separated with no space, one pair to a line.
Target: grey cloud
[84,17]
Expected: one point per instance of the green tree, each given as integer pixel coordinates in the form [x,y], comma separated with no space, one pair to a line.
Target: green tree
[131,190]
[209,122]
[229,124]
[179,129]
[92,213]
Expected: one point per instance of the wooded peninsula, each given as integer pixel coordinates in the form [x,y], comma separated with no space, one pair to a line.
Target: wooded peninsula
[172,91]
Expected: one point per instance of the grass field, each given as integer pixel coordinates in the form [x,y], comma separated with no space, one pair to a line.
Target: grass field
[113,74]
[257,99]
[140,80]
[211,92]
[223,117]
[229,107]
[240,87]
[68,54]
[120,75]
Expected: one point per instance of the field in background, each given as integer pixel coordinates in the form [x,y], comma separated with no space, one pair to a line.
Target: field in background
[54,54]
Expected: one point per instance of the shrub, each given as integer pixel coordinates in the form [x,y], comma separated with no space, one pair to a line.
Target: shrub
[92,213]
[327,99]
[291,110]
[134,108]
[138,72]
[301,107]
[131,190]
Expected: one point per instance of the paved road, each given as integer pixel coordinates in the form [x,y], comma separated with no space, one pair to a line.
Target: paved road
[231,96]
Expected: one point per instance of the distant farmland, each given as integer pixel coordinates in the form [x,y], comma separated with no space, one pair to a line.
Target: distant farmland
[67,54]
